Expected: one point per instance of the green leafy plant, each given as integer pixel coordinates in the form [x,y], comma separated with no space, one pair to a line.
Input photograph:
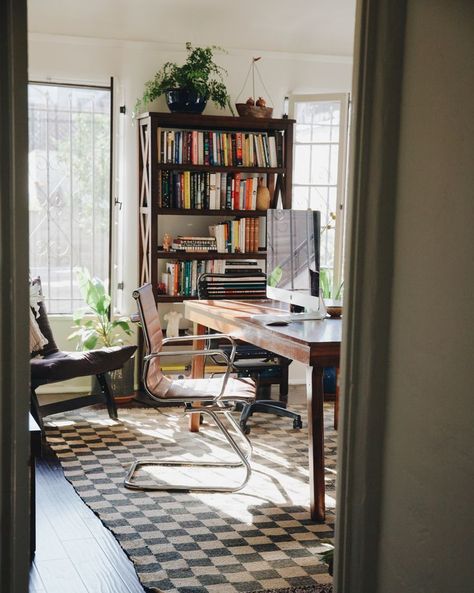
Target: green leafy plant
[328,289]
[328,556]
[92,325]
[199,73]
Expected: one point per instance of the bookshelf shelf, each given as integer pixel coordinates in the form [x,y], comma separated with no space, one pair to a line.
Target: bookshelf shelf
[164,185]
[201,212]
[190,255]
[218,168]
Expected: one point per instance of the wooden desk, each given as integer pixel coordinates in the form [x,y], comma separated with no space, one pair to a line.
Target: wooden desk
[314,343]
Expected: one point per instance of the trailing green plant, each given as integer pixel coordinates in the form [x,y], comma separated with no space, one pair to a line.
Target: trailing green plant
[199,73]
[328,556]
[92,325]
[326,283]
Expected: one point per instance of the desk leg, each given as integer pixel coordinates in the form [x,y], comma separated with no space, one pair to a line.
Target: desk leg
[315,397]
[197,372]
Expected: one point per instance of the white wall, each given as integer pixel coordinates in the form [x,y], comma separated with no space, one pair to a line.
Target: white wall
[426,539]
[86,60]
[406,460]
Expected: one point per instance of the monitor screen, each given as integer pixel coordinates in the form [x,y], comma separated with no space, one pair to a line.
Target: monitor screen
[293,256]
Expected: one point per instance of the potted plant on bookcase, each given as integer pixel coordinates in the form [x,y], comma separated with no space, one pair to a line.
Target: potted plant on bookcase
[188,87]
[94,329]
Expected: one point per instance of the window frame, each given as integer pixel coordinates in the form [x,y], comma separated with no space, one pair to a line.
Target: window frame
[112,172]
[341,191]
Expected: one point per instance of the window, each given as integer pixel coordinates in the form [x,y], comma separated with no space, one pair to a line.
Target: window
[69,187]
[319,172]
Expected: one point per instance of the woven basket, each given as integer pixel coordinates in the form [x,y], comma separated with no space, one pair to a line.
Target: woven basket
[245,110]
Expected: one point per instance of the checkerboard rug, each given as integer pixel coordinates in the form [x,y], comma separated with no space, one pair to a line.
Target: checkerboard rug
[260,538]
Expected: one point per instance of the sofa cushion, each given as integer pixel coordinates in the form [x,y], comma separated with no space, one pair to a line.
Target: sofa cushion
[60,366]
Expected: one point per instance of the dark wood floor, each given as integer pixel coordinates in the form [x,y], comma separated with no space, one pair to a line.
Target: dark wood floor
[74,551]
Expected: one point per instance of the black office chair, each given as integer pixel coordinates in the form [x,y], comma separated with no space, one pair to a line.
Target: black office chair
[264,367]
[48,365]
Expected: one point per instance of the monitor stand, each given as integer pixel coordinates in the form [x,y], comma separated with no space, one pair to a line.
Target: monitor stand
[291,317]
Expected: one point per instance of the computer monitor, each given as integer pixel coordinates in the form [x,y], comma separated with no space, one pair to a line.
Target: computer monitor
[293,260]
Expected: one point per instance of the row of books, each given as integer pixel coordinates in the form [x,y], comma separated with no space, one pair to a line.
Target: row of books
[181,278]
[244,235]
[229,149]
[207,191]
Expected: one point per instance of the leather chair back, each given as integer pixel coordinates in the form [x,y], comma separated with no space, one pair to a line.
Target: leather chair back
[153,378]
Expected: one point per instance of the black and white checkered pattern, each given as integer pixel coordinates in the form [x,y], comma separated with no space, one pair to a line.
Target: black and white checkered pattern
[258,538]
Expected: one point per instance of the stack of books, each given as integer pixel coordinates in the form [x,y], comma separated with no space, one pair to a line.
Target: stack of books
[194,244]
[244,280]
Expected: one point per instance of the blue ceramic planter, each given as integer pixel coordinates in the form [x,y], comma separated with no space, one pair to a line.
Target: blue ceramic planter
[185,101]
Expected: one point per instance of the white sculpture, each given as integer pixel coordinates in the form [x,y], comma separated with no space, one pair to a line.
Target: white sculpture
[172,318]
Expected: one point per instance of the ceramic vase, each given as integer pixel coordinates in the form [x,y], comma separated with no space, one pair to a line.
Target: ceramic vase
[263,195]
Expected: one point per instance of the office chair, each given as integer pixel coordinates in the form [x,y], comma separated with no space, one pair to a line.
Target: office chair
[263,366]
[48,364]
[215,397]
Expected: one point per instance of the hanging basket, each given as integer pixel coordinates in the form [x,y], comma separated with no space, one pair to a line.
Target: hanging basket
[253,108]
[245,110]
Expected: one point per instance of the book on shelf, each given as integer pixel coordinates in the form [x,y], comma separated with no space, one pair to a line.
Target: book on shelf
[205,190]
[243,235]
[242,266]
[180,278]
[219,148]
[242,277]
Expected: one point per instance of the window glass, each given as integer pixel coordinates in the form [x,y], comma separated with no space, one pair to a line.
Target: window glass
[318,177]
[69,188]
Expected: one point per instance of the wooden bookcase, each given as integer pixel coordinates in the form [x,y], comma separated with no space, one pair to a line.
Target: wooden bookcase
[154,218]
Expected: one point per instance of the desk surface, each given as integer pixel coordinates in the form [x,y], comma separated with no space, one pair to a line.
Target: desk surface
[300,340]
[316,344]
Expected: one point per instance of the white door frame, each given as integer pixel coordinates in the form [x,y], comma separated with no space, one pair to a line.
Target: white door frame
[14,299]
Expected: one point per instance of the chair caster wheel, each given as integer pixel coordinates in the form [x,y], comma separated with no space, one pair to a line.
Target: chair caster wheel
[245,429]
[297,423]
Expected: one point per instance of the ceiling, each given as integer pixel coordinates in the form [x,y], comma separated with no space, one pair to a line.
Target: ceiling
[300,26]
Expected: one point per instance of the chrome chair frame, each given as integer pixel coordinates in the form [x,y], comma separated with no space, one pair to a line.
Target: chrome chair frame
[218,405]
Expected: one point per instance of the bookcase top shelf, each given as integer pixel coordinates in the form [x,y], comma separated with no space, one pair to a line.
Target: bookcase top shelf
[215,122]
[191,255]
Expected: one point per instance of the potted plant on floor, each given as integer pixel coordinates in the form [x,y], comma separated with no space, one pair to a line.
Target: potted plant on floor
[93,328]
[188,87]
[328,556]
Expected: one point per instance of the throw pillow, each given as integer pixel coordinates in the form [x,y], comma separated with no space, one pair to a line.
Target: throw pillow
[37,340]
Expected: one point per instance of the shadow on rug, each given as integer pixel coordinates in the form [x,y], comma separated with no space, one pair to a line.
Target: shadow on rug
[260,538]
